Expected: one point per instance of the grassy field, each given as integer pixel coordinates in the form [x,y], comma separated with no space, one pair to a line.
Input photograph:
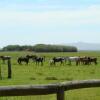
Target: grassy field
[32,74]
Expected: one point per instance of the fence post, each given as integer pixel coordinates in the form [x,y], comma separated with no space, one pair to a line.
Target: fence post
[0,72]
[9,68]
[60,94]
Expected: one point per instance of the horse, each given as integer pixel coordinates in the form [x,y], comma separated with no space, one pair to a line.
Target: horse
[4,58]
[92,59]
[23,59]
[58,59]
[87,60]
[38,60]
[84,60]
[31,56]
[73,59]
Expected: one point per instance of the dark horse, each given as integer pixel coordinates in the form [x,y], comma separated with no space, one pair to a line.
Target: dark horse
[92,60]
[58,59]
[4,58]
[23,59]
[88,60]
[31,57]
[38,60]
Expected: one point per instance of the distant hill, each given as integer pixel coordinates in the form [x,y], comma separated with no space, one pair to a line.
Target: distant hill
[86,46]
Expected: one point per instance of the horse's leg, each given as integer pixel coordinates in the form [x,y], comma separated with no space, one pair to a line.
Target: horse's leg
[69,62]
[89,62]
[77,62]
[36,63]
[27,62]
[65,61]
[95,62]
[51,63]
[20,62]
[84,62]
[54,63]
[61,63]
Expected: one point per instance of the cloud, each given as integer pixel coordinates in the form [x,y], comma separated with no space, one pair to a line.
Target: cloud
[53,21]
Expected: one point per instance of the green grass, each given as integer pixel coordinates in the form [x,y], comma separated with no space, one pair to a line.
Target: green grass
[32,74]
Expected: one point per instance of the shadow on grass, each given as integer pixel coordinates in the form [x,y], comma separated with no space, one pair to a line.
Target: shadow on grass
[51,78]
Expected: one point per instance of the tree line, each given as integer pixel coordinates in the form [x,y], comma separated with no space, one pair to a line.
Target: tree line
[40,48]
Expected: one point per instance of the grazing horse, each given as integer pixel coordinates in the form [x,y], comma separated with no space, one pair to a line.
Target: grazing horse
[31,56]
[4,58]
[91,59]
[38,60]
[73,59]
[88,60]
[58,59]
[84,60]
[23,59]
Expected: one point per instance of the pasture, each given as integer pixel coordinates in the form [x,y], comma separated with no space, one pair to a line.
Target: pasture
[32,74]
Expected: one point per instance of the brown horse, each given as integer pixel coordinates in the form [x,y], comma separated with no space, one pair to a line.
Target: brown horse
[92,60]
[88,60]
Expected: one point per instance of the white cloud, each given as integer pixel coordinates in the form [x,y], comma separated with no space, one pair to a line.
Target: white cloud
[92,12]
[59,25]
[52,19]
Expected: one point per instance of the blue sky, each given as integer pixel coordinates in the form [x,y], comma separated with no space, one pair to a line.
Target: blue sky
[28,22]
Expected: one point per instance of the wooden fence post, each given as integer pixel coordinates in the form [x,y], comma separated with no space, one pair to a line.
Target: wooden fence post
[9,68]
[60,94]
[0,72]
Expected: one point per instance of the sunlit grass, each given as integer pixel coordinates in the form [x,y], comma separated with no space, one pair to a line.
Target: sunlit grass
[46,74]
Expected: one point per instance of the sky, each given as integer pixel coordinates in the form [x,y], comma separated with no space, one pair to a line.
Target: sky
[29,22]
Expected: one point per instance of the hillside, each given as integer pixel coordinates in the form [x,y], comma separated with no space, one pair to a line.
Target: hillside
[86,46]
